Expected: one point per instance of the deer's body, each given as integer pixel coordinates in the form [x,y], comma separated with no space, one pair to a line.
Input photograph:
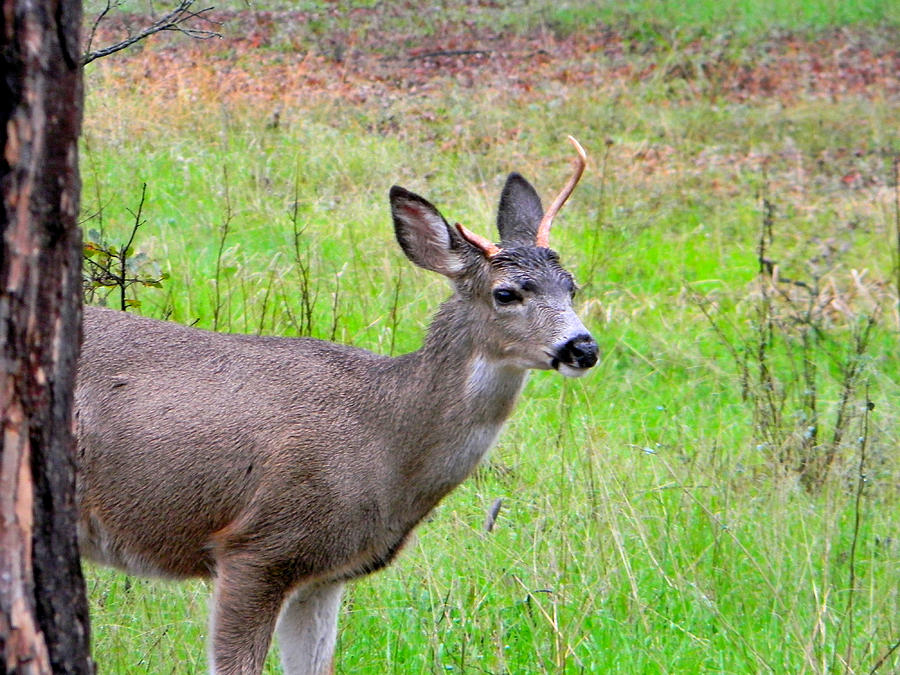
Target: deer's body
[332,432]
[285,467]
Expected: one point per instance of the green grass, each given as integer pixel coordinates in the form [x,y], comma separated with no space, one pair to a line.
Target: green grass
[643,529]
[744,17]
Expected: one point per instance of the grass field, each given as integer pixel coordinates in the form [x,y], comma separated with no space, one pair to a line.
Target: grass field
[656,518]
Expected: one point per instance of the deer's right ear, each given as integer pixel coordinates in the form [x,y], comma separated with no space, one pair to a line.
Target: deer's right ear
[424,235]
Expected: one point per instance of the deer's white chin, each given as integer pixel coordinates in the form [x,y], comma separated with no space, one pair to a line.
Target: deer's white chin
[571,371]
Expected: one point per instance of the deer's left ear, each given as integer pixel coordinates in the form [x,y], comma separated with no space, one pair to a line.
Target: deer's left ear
[424,235]
[519,213]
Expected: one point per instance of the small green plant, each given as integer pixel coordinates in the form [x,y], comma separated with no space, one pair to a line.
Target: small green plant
[109,268]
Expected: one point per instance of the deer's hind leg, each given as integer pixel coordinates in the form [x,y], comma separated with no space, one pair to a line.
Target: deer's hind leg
[307,629]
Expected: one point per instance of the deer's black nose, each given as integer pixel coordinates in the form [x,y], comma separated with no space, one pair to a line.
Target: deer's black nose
[580,352]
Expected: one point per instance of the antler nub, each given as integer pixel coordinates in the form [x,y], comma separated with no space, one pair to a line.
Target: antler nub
[543,234]
[486,246]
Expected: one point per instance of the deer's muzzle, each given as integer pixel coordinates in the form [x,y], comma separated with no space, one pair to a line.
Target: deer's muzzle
[576,355]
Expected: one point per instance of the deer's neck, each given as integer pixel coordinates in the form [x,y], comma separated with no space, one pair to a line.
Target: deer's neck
[460,399]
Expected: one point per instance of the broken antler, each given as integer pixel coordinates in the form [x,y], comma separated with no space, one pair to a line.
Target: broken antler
[486,246]
[543,234]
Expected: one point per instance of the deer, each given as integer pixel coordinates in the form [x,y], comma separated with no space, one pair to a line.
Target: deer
[282,468]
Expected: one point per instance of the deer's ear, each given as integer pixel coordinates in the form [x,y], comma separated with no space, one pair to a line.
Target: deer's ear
[519,213]
[424,235]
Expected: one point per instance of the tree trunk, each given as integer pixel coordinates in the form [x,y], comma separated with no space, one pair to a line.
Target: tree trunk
[43,610]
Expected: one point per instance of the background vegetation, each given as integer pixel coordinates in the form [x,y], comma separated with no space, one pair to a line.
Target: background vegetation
[721,494]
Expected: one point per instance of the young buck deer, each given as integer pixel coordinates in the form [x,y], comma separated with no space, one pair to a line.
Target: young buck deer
[285,467]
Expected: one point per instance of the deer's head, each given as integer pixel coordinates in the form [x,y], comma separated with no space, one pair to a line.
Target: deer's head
[519,293]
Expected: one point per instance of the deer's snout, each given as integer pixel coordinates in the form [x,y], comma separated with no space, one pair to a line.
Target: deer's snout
[577,354]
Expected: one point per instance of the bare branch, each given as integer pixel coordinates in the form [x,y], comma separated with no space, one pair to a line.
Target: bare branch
[124,252]
[175,20]
[110,5]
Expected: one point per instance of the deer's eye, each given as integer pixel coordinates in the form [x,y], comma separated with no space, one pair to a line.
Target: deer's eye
[506,296]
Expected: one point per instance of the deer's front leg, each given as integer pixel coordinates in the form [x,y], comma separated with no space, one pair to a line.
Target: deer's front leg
[245,609]
[307,629]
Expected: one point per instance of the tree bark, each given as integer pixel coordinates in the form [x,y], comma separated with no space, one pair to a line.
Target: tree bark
[43,609]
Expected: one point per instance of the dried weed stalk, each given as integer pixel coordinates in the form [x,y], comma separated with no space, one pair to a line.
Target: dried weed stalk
[808,342]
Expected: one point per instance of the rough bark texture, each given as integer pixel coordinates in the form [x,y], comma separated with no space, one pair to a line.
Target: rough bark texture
[43,610]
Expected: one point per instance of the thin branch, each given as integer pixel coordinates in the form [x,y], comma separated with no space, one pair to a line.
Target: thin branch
[335,303]
[857,516]
[223,235]
[173,21]
[884,657]
[394,314]
[303,264]
[124,252]
[110,5]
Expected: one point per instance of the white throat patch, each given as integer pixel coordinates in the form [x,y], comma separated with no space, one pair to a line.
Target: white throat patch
[482,376]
